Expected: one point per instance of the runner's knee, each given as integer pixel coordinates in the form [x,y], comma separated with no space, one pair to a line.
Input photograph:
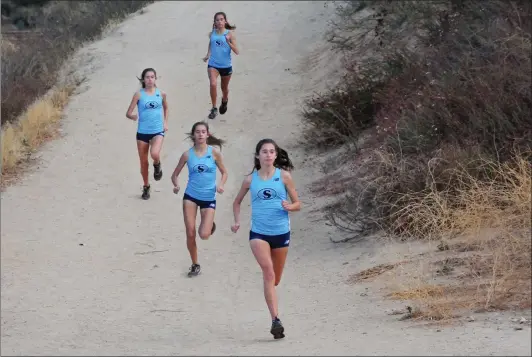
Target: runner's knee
[191,234]
[155,156]
[204,233]
[268,274]
[143,163]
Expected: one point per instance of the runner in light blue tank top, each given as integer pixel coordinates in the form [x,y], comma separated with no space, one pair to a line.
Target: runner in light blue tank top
[220,50]
[221,42]
[268,215]
[201,175]
[152,123]
[270,185]
[202,160]
[150,109]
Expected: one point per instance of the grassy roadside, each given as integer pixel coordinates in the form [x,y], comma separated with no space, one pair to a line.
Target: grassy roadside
[435,109]
[33,97]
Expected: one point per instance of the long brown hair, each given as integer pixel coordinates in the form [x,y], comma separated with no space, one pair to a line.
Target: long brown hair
[211,139]
[143,74]
[228,26]
[282,160]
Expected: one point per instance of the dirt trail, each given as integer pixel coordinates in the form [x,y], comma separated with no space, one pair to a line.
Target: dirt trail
[125,290]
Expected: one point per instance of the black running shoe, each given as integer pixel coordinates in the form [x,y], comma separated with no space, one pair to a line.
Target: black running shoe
[277,329]
[223,107]
[213,228]
[157,171]
[145,192]
[214,112]
[194,270]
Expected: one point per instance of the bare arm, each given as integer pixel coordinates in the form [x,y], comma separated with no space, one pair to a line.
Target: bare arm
[219,162]
[238,201]
[231,40]
[208,50]
[132,105]
[182,161]
[165,109]
[295,204]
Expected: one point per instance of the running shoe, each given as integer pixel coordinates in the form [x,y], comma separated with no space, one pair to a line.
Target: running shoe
[145,192]
[194,270]
[277,329]
[157,171]
[214,112]
[223,107]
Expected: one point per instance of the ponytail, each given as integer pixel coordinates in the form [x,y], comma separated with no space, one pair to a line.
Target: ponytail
[282,161]
[141,82]
[211,139]
[228,26]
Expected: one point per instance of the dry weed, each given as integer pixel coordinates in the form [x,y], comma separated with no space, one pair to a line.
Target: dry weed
[37,125]
[501,198]
[498,275]
[442,135]
[32,59]
[373,272]
[33,95]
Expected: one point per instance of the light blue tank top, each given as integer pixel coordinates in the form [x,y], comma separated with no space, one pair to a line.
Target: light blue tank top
[201,175]
[267,214]
[150,108]
[220,50]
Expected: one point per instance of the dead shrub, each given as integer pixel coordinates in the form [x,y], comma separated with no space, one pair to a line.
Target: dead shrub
[32,99]
[462,97]
[437,102]
[30,69]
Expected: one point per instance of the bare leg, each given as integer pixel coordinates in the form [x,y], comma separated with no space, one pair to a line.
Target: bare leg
[262,252]
[278,260]
[225,87]
[213,79]
[156,146]
[207,219]
[190,210]
[143,149]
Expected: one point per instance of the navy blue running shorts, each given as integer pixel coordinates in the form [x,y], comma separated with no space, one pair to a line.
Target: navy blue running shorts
[223,71]
[147,137]
[276,241]
[201,204]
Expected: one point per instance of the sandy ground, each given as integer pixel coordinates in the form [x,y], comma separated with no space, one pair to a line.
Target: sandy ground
[88,268]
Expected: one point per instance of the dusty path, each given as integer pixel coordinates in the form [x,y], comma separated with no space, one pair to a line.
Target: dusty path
[124,291]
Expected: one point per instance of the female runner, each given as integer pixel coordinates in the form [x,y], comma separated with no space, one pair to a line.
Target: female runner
[270,183]
[202,160]
[221,41]
[152,117]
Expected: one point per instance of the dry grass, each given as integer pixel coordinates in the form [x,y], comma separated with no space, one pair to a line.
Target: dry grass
[498,274]
[483,259]
[436,104]
[37,125]
[440,303]
[33,57]
[368,274]
[497,196]
[34,94]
